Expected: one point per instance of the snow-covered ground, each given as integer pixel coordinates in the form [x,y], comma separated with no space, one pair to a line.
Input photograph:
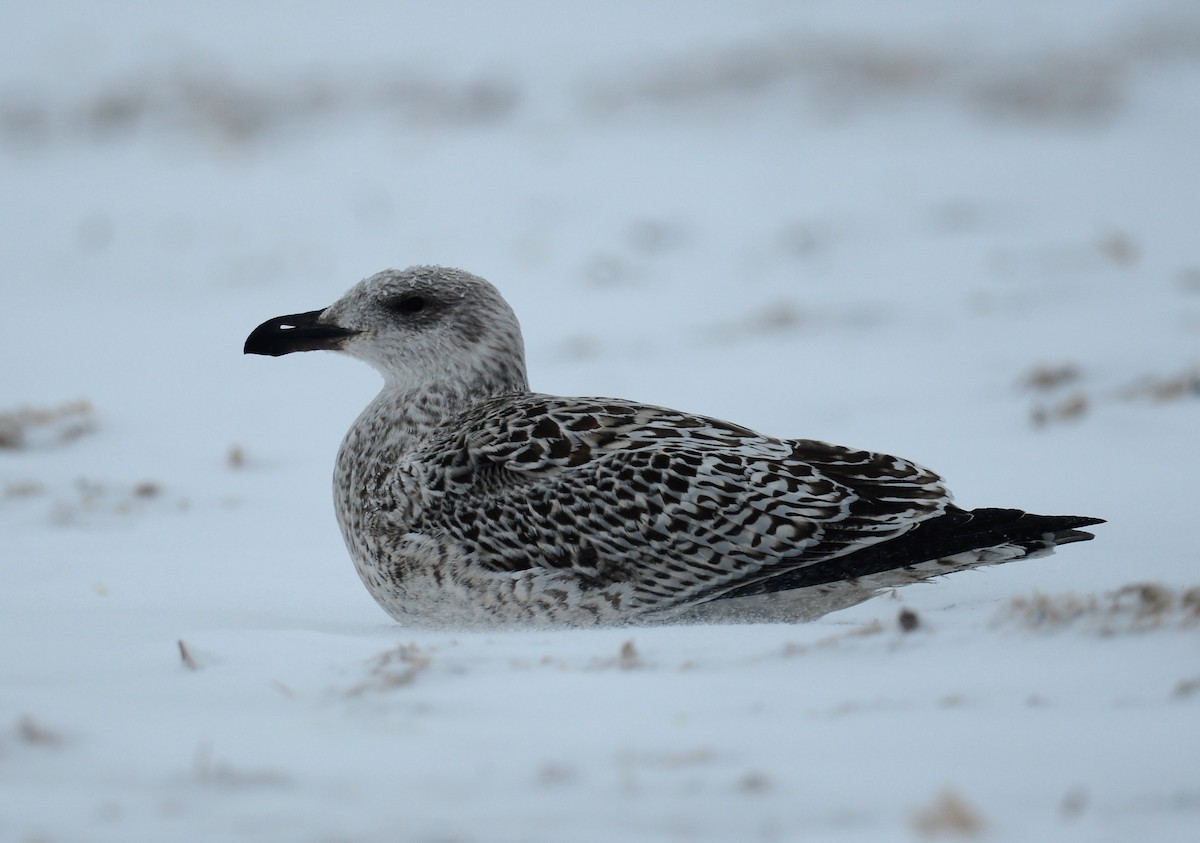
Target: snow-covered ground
[966,233]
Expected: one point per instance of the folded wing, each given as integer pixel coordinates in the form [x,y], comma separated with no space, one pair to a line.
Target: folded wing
[679,507]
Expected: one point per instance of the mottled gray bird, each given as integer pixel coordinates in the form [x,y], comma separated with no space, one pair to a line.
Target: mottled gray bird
[466,499]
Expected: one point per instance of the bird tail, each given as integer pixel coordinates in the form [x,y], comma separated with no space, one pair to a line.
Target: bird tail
[953,541]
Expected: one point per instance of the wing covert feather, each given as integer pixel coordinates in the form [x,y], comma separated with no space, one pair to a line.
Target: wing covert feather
[675,504]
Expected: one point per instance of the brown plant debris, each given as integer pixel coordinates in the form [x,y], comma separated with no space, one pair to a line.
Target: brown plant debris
[207,102]
[1053,403]
[147,489]
[1163,388]
[791,648]
[89,498]
[1072,407]
[908,620]
[1074,802]
[1119,248]
[395,668]
[949,816]
[553,773]
[1048,376]
[1186,687]
[186,657]
[46,427]
[235,458]
[628,658]
[24,489]
[32,732]
[1131,608]
[754,782]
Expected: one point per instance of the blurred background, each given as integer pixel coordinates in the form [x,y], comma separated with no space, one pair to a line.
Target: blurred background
[965,233]
[942,230]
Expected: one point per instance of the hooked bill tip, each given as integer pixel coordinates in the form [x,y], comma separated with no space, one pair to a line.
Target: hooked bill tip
[295,332]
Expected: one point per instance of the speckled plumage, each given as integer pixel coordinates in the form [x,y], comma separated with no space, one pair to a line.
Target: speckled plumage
[465,499]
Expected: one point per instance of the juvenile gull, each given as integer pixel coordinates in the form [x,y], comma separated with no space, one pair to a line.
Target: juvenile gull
[466,499]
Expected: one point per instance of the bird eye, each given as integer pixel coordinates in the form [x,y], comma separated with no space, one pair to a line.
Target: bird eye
[407,304]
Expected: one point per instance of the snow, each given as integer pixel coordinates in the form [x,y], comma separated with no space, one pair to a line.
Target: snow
[865,222]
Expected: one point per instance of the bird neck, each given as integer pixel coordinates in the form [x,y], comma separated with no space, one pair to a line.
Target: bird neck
[410,411]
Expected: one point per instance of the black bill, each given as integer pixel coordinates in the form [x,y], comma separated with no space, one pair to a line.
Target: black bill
[297,332]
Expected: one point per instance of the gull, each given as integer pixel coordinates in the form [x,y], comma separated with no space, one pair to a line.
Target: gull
[465,499]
